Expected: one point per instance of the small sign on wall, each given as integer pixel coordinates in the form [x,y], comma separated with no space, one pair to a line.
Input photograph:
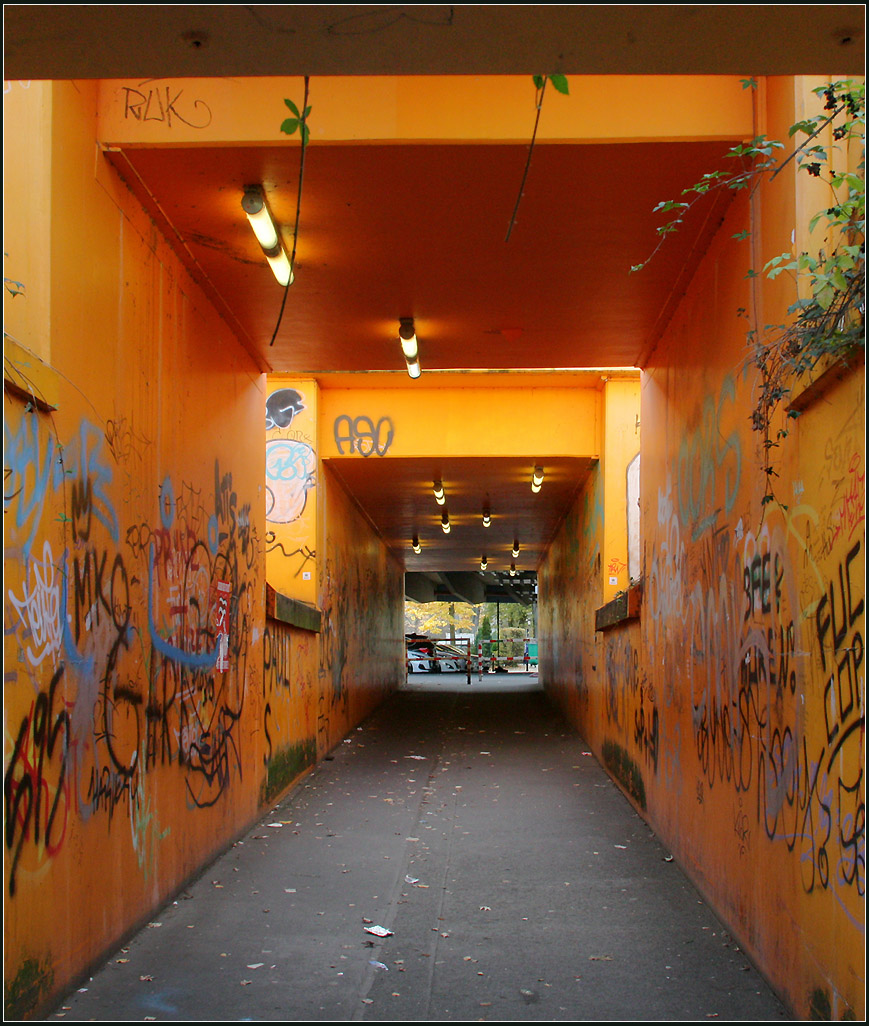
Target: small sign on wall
[221,624]
[614,580]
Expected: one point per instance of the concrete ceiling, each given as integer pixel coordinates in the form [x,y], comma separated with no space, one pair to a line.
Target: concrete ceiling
[203,40]
[420,230]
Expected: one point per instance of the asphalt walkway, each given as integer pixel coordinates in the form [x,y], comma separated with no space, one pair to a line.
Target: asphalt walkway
[461,856]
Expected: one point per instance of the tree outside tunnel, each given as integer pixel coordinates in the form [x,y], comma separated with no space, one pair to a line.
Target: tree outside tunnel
[501,628]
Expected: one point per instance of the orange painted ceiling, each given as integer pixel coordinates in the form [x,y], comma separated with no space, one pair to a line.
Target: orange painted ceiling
[389,231]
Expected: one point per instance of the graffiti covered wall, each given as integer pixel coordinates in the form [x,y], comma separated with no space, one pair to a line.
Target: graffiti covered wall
[133,574]
[291,487]
[362,596]
[732,711]
[569,591]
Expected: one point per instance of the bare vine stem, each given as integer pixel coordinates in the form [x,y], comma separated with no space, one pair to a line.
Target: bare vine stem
[541,91]
[303,133]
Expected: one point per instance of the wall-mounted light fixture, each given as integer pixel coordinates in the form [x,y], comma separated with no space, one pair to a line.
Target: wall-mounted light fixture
[484,562]
[512,569]
[415,544]
[254,205]
[409,345]
[445,522]
[515,548]
[537,479]
[438,488]
[487,516]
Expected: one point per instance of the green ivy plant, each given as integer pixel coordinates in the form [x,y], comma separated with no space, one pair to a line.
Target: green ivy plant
[298,122]
[828,320]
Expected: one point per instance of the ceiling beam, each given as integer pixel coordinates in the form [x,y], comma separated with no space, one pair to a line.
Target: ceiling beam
[53,41]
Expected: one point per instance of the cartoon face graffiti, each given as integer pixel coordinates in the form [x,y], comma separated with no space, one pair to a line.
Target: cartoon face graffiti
[281,406]
[290,471]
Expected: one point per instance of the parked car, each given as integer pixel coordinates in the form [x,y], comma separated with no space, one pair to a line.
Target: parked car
[420,655]
[452,659]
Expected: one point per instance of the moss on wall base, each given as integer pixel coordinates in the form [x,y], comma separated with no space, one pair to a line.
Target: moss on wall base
[625,770]
[821,1007]
[27,989]
[285,765]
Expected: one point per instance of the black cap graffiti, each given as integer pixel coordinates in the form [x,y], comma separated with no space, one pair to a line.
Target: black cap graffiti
[282,406]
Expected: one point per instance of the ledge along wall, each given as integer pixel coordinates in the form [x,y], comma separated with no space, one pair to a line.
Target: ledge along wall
[335,595]
[151,707]
[730,705]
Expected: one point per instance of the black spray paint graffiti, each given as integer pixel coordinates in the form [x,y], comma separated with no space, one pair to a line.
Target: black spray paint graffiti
[361,435]
[35,788]
[282,406]
[161,103]
[194,707]
[276,678]
[628,692]
[115,601]
[807,789]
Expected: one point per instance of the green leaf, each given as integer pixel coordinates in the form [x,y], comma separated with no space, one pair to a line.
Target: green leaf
[749,83]
[538,81]
[814,221]
[293,107]
[290,125]
[560,83]
[802,126]
[839,280]
[825,297]
[745,234]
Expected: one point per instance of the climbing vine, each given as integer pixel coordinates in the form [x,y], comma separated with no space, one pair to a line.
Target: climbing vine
[299,122]
[559,82]
[828,316]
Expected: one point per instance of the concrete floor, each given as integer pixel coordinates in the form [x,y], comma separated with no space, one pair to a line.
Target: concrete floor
[471,827]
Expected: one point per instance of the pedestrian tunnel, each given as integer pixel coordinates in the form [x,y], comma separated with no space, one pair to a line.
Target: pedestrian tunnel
[450,487]
[379,488]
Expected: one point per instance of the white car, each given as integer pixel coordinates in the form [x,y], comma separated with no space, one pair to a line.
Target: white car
[451,660]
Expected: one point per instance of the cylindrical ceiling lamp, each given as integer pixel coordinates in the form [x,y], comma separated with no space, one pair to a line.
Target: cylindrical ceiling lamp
[261,221]
[409,345]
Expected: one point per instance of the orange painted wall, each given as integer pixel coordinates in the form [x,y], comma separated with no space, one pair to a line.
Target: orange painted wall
[321,551]
[146,724]
[467,417]
[132,692]
[732,711]
[398,108]
[362,598]
[291,420]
